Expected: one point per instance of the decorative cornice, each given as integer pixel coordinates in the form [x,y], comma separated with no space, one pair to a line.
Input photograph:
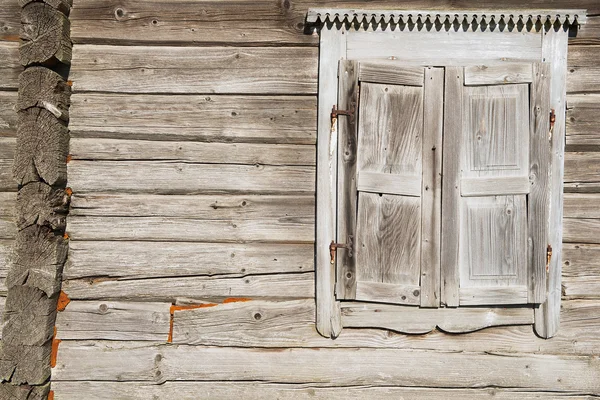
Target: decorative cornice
[482,17]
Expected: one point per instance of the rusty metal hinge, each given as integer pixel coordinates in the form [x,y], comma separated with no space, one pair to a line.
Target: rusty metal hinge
[548,257]
[335,113]
[552,121]
[334,246]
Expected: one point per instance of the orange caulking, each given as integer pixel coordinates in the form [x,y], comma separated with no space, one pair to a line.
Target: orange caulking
[180,308]
[235,299]
[63,301]
[51,395]
[55,343]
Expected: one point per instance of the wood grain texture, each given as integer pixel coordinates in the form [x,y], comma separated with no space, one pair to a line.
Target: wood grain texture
[581,205]
[475,187]
[26,392]
[83,360]
[234,70]
[381,182]
[213,118]
[583,69]
[8,117]
[431,191]
[581,230]
[45,35]
[393,293]
[582,172]
[267,391]
[475,296]
[588,33]
[8,227]
[132,260]
[25,364]
[10,13]
[10,68]
[44,88]
[40,204]
[390,73]
[498,74]
[583,119]
[191,152]
[164,177]
[252,286]
[290,323]
[581,270]
[63,6]
[114,320]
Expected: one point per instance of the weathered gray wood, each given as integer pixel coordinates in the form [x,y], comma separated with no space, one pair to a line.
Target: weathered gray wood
[235,390]
[84,360]
[581,230]
[141,69]
[25,364]
[63,6]
[44,88]
[254,286]
[163,177]
[10,13]
[391,73]
[348,94]
[453,111]
[112,320]
[235,153]
[10,68]
[130,260]
[182,178]
[38,203]
[229,118]
[7,183]
[24,392]
[473,187]
[498,74]
[43,143]
[8,117]
[381,182]
[333,43]
[474,296]
[583,119]
[28,317]
[449,48]
[581,270]
[431,194]
[582,172]
[393,293]
[588,33]
[291,324]
[581,205]
[7,147]
[540,164]
[417,321]
[547,316]
[6,248]
[45,35]
[39,258]
[8,228]
[583,69]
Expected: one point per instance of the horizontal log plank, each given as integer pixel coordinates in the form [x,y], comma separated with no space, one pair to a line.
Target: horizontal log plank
[114,320]
[221,153]
[6,247]
[138,362]
[580,230]
[583,69]
[582,172]
[235,70]
[160,259]
[588,33]
[581,270]
[10,18]
[268,391]
[168,289]
[182,178]
[8,226]
[8,116]
[228,118]
[581,205]
[10,68]
[264,323]
[583,122]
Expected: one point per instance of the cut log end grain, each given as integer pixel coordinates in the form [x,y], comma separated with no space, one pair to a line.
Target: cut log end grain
[41,204]
[44,88]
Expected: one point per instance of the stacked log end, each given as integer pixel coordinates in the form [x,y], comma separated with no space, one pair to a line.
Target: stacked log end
[40,171]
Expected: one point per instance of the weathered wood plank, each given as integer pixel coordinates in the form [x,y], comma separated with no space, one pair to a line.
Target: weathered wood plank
[86,360]
[44,35]
[583,122]
[10,68]
[112,320]
[253,286]
[498,74]
[8,227]
[141,69]
[388,293]
[473,296]
[581,230]
[6,247]
[218,153]
[380,182]
[291,324]
[130,260]
[583,69]
[7,183]
[391,73]
[10,14]
[588,33]
[229,118]
[581,270]
[8,116]
[267,391]
[485,186]
[182,178]
[582,172]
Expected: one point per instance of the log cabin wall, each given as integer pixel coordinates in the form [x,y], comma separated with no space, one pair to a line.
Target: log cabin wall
[191,263]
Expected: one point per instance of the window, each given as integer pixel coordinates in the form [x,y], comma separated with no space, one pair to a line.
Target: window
[439,161]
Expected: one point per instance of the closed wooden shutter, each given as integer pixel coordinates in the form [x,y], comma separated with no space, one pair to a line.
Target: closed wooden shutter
[495,192]
[389,183]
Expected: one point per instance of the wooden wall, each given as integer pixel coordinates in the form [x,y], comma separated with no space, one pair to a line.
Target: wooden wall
[193,130]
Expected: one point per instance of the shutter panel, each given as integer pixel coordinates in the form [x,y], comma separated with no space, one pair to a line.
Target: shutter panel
[496,163]
[384,201]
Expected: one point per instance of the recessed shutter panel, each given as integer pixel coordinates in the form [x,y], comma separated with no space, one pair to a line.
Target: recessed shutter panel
[496,163]
[389,191]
